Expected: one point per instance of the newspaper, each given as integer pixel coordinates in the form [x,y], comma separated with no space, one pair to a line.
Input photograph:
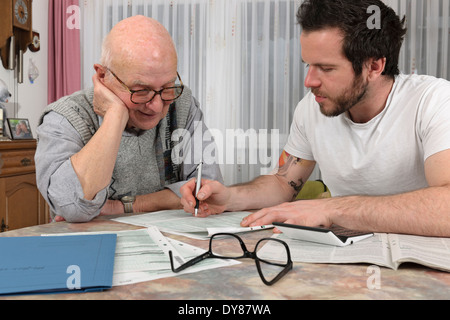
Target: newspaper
[388,250]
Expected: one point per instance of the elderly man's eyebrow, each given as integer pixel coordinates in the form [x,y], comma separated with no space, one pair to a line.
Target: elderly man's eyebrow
[141,84]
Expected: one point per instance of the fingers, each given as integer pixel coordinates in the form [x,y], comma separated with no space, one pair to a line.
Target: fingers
[265,217]
[188,189]
[188,200]
[209,195]
[207,190]
[95,79]
[105,99]
[288,221]
[187,196]
[284,213]
[305,213]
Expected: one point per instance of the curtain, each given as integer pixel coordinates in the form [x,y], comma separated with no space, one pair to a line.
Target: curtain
[242,60]
[426,48]
[64,56]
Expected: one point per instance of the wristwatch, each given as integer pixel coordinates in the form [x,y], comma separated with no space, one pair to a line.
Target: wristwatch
[128,203]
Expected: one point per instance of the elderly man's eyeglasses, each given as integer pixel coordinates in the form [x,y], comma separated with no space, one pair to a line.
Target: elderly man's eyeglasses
[145,96]
[270,270]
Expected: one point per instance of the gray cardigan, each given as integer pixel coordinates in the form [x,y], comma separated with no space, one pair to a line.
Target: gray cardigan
[146,163]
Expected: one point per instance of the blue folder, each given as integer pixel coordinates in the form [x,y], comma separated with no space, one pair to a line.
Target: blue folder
[56,264]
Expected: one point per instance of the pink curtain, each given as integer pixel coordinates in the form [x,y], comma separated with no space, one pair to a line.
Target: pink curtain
[64,62]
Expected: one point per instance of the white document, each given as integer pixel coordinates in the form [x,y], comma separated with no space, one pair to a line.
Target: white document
[142,255]
[157,264]
[182,223]
[388,250]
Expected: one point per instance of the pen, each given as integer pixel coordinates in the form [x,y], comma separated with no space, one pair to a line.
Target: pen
[268,226]
[198,185]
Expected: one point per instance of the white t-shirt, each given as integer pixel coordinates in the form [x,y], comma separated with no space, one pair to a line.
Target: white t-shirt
[385,155]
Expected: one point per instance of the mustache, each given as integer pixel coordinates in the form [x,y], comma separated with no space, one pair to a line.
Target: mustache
[317,93]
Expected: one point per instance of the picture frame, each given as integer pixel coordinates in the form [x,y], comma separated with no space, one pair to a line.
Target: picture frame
[20,129]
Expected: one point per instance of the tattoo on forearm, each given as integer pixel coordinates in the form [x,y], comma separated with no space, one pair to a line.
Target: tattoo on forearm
[284,170]
[296,187]
[290,162]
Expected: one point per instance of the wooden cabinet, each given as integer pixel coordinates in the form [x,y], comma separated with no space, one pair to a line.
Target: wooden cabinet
[21,204]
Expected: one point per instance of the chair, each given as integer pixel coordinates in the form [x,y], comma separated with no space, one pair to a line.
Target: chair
[313,190]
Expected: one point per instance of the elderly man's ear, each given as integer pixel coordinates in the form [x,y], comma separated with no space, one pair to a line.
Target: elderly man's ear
[101,72]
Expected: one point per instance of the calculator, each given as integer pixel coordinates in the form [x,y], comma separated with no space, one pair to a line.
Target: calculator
[335,235]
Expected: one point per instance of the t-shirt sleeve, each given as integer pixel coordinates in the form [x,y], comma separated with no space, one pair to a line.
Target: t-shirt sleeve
[434,122]
[298,144]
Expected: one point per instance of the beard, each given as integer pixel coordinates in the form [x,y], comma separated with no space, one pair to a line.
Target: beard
[347,100]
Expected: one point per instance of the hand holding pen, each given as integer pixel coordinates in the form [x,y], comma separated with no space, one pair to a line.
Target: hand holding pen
[204,197]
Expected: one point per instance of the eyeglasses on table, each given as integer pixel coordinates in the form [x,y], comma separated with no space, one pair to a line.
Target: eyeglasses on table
[270,270]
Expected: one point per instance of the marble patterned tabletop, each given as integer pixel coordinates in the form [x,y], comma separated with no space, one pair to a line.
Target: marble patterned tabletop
[242,282]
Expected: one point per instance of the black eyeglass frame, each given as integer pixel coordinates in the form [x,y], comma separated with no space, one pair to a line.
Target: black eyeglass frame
[132,92]
[247,254]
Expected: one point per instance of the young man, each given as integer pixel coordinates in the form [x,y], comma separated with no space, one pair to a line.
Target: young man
[110,149]
[380,138]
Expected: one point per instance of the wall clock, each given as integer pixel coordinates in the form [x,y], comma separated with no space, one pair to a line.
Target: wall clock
[15,30]
[22,14]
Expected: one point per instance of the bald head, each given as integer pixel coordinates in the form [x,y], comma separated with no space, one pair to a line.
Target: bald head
[136,42]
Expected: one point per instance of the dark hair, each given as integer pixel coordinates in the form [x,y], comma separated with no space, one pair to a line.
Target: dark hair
[360,42]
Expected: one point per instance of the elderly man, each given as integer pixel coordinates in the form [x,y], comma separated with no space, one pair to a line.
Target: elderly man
[380,138]
[110,149]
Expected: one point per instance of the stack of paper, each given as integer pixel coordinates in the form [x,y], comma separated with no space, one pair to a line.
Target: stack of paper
[142,255]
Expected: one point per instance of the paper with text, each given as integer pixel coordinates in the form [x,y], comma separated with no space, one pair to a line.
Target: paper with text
[139,256]
[182,223]
[135,266]
[388,250]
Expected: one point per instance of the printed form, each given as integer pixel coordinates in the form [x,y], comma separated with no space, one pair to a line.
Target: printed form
[142,255]
[182,223]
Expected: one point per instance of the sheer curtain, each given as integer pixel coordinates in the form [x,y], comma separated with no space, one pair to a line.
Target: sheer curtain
[242,60]
[426,49]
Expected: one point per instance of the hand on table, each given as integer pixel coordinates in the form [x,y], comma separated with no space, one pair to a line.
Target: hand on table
[312,213]
[111,207]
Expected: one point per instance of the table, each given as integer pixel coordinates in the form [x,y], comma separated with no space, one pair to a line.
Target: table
[241,282]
